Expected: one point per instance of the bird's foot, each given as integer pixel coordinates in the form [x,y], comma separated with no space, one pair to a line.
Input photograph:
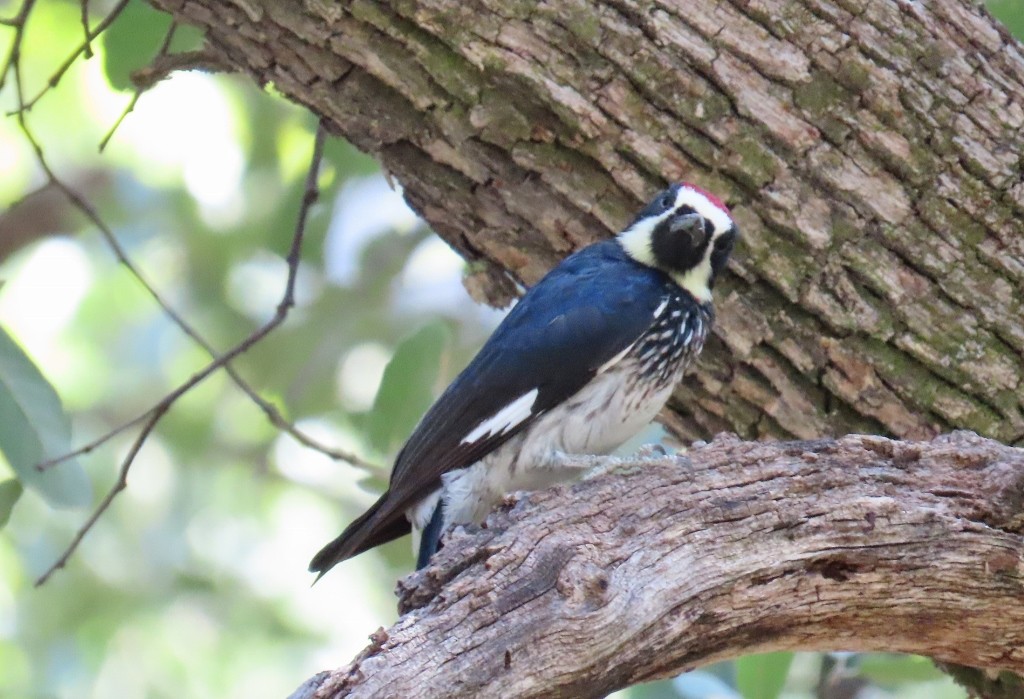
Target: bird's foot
[629,465]
[591,466]
[559,461]
[651,451]
[613,465]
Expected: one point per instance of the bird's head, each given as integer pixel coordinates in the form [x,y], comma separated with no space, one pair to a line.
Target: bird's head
[687,233]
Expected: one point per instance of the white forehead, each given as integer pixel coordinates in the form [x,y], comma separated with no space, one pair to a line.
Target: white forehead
[711,211]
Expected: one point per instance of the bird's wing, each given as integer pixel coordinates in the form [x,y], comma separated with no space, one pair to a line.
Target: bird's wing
[583,314]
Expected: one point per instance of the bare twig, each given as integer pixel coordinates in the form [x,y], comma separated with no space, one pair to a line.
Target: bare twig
[162,65]
[206,60]
[139,89]
[310,195]
[84,4]
[152,417]
[272,413]
[56,76]
[14,55]
[97,442]
[119,485]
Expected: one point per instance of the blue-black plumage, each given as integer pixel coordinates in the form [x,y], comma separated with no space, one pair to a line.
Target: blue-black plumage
[584,361]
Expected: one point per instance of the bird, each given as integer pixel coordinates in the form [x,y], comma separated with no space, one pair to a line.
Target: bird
[582,363]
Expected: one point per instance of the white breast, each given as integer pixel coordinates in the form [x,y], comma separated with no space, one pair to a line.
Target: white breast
[601,417]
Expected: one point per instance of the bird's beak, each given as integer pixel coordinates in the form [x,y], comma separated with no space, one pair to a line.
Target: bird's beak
[688,223]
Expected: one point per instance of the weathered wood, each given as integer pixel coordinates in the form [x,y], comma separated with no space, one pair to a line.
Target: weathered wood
[857,544]
[871,150]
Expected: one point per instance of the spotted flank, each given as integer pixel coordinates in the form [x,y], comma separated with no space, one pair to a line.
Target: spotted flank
[676,337]
[662,306]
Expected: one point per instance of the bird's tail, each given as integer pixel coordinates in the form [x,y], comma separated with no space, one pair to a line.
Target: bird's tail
[374,527]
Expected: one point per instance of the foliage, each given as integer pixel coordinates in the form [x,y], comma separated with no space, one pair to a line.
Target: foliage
[406,388]
[193,583]
[33,428]
[762,676]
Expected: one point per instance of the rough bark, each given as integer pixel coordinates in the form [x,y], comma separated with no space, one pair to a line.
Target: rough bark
[871,151]
[857,544]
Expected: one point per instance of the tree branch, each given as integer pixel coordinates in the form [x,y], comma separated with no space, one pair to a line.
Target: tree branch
[857,544]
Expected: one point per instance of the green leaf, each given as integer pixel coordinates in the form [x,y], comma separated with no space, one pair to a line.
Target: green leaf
[132,41]
[1009,13]
[890,669]
[406,390]
[10,491]
[34,427]
[762,676]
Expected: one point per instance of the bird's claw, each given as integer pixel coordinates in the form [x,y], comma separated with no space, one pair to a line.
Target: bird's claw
[651,451]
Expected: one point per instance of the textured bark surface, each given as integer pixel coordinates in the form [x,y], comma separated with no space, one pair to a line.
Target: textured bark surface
[871,151]
[857,544]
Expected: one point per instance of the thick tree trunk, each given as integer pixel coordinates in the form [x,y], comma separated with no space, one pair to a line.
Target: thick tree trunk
[871,151]
[856,544]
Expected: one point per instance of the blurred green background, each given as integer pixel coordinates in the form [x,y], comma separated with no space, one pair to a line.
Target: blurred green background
[193,584]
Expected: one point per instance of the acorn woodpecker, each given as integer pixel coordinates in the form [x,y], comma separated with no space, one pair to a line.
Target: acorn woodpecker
[583,362]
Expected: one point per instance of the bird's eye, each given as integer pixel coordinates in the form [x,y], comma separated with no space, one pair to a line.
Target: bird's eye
[666,202]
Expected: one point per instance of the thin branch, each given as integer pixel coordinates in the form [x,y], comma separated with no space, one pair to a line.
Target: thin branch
[271,411]
[119,485]
[162,65]
[310,196]
[165,45]
[206,60]
[70,60]
[84,5]
[98,442]
[14,55]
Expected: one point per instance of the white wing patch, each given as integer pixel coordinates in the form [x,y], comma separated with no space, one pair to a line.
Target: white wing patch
[505,419]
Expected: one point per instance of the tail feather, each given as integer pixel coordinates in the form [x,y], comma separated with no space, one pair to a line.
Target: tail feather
[370,529]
